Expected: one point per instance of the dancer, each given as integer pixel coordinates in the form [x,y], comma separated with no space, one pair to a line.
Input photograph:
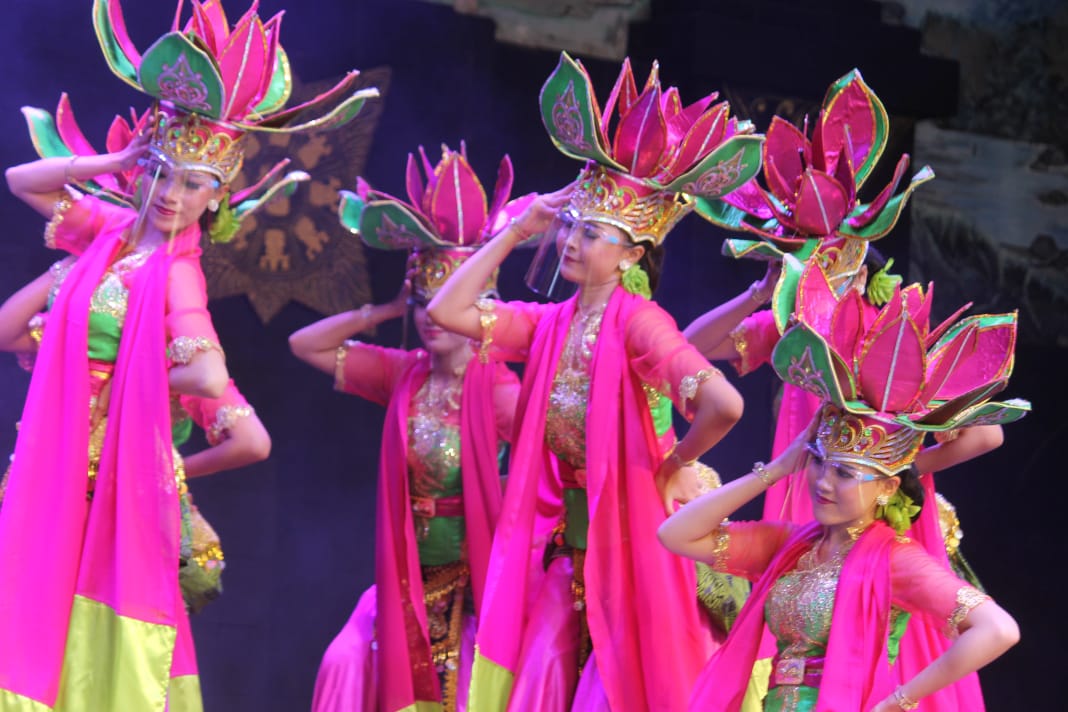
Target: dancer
[577,580]
[410,640]
[235,435]
[823,221]
[96,613]
[827,589]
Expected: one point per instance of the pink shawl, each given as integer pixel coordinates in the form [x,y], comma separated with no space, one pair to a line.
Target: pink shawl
[400,621]
[122,551]
[856,674]
[640,600]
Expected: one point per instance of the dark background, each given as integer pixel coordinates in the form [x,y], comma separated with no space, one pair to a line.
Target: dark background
[298,529]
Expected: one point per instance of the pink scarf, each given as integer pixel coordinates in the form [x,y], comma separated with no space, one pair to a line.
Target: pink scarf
[856,674]
[400,623]
[640,601]
[924,639]
[122,551]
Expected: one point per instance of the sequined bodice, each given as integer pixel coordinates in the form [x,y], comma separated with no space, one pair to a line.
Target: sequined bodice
[107,307]
[434,443]
[565,422]
[800,604]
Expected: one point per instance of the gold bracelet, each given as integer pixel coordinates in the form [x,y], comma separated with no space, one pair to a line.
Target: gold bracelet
[675,457]
[67,177]
[513,225]
[761,471]
[904,701]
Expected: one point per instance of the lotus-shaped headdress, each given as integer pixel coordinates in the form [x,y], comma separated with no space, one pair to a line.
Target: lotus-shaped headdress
[660,156]
[889,367]
[446,218]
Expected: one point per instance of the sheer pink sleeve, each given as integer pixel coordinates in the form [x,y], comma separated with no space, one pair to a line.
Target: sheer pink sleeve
[664,359]
[505,397]
[921,584]
[746,548]
[370,371]
[77,219]
[508,328]
[217,415]
[754,340]
[187,302]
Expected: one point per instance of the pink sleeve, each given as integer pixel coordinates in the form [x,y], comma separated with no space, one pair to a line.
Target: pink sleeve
[746,548]
[217,415]
[505,397]
[77,219]
[754,340]
[663,358]
[370,371]
[508,327]
[187,302]
[921,584]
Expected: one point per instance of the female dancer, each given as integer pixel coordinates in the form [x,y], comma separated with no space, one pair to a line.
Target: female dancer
[235,435]
[828,589]
[576,574]
[96,614]
[410,640]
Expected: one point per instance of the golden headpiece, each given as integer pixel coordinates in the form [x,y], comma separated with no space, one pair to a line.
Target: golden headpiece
[847,438]
[644,214]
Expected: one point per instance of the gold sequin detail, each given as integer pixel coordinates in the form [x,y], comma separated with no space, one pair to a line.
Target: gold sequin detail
[339,364]
[184,348]
[721,541]
[111,295]
[225,418]
[968,597]
[565,422]
[487,319]
[689,384]
[741,345]
[800,605]
[58,213]
[949,524]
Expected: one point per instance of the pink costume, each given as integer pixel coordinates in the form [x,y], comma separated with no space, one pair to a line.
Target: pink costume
[594,424]
[364,667]
[89,597]
[648,636]
[836,614]
[885,381]
[810,208]
[410,642]
[97,616]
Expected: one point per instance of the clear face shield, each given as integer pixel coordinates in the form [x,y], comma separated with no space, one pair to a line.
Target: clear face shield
[171,196]
[571,253]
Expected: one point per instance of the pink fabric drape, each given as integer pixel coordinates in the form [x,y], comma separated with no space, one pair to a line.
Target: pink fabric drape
[122,549]
[401,622]
[856,673]
[640,599]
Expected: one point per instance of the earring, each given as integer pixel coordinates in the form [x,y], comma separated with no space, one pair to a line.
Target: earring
[624,266]
[213,205]
[882,500]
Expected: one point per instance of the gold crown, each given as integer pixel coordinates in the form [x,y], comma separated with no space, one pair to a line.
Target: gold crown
[197,143]
[644,213]
[841,260]
[430,267]
[852,439]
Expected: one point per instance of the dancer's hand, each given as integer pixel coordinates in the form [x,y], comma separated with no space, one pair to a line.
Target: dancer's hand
[795,456]
[676,484]
[537,216]
[763,289]
[127,158]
